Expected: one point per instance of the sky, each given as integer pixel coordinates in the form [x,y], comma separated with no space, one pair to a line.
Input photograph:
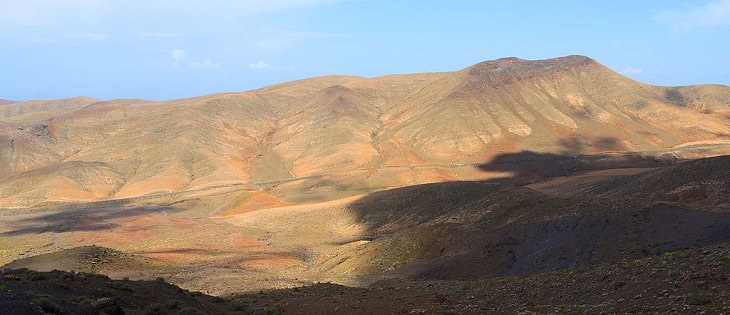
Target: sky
[167,49]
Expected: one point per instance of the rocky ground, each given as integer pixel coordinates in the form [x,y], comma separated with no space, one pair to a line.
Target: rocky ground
[691,281]
[30,292]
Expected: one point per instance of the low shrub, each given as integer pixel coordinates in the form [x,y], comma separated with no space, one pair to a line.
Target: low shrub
[47,305]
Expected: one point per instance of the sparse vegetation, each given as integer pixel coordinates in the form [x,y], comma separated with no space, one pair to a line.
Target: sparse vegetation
[699,298]
[172,304]
[47,305]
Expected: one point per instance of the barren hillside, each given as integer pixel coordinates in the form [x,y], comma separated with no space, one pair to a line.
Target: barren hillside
[340,136]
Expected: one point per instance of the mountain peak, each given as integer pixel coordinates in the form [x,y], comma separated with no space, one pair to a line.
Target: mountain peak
[511,69]
[514,64]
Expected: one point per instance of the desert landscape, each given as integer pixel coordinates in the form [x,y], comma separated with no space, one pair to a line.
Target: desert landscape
[547,186]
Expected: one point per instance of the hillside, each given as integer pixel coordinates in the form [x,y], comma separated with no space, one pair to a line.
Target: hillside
[340,136]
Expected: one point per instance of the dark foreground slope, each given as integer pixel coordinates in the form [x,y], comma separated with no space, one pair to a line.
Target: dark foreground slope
[688,281]
[57,292]
[685,282]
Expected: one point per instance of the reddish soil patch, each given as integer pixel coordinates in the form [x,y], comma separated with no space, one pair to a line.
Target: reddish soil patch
[256,201]
[179,255]
[241,241]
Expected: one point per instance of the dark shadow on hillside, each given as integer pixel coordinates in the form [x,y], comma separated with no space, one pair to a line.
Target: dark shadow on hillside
[574,146]
[491,228]
[86,217]
[476,230]
[529,167]
[428,200]
[583,240]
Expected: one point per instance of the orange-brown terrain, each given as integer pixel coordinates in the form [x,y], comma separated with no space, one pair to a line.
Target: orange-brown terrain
[506,174]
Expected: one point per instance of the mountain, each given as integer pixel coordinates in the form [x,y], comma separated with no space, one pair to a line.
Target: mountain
[511,185]
[340,136]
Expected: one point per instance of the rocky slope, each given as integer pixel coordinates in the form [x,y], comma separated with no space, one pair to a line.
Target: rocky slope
[689,281]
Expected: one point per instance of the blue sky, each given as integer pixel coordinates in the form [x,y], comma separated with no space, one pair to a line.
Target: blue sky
[164,49]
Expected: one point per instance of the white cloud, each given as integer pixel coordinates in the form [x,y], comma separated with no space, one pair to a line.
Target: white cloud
[263,65]
[712,14]
[178,54]
[631,71]
[205,64]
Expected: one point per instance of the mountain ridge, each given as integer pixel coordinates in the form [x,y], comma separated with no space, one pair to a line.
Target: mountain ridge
[353,134]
